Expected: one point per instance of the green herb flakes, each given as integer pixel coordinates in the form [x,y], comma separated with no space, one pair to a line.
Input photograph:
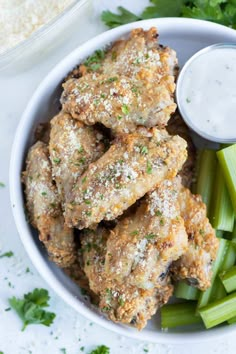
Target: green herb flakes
[7,254]
[150,236]
[57,160]
[125,109]
[2,185]
[149,168]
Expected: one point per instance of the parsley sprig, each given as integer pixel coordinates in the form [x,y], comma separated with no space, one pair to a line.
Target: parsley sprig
[219,11]
[31,308]
[101,349]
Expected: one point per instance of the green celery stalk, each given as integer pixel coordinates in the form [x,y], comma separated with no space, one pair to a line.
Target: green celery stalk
[205,175]
[205,296]
[232,320]
[228,278]
[221,213]
[218,290]
[229,258]
[233,236]
[219,311]
[219,233]
[185,291]
[227,159]
[176,315]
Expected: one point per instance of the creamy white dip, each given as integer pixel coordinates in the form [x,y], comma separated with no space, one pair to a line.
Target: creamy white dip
[207,92]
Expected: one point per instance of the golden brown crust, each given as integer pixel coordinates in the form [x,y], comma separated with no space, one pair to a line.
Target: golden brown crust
[43,207]
[73,146]
[121,301]
[196,264]
[133,85]
[143,245]
[133,166]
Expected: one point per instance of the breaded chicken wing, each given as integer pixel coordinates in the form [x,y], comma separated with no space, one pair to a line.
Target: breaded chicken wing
[43,207]
[142,246]
[122,302]
[73,146]
[134,165]
[133,85]
[196,264]
[119,103]
[138,57]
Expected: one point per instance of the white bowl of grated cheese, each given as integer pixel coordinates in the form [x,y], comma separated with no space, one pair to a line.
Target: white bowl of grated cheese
[186,36]
[33,27]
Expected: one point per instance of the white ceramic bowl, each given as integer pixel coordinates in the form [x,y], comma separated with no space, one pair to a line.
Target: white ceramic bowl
[186,36]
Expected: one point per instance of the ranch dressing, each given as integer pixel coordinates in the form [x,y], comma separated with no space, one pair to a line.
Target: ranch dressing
[207,93]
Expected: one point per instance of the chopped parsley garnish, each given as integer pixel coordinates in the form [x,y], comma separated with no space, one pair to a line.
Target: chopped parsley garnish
[81,149]
[219,11]
[105,308]
[143,150]
[31,308]
[93,62]
[81,349]
[120,301]
[149,168]
[2,185]
[101,196]
[101,349]
[162,222]
[188,100]
[82,160]
[103,95]
[150,236]
[84,179]
[134,233]
[158,213]
[112,79]
[88,202]
[125,109]
[44,193]
[88,213]
[7,254]
[63,350]
[202,232]
[119,117]
[56,160]
[145,350]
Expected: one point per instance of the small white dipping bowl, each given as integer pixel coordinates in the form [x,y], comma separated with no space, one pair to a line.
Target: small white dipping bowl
[206,93]
[186,36]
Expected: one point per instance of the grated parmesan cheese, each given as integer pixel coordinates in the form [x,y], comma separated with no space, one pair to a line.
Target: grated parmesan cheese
[19,19]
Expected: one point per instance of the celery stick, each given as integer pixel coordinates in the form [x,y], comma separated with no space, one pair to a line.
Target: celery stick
[206,174]
[219,311]
[228,278]
[204,296]
[218,290]
[229,258]
[232,320]
[219,233]
[233,236]
[175,315]
[185,291]
[227,159]
[221,213]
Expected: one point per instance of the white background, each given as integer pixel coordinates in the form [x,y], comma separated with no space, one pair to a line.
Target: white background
[70,330]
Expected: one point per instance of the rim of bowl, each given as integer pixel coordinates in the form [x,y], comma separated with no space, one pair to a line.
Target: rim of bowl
[16,187]
[180,104]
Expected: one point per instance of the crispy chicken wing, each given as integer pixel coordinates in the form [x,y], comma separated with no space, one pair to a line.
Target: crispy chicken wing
[44,208]
[132,166]
[133,87]
[196,264]
[142,246]
[122,302]
[118,103]
[73,146]
[138,57]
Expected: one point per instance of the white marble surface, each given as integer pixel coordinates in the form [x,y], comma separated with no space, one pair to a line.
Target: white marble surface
[70,330]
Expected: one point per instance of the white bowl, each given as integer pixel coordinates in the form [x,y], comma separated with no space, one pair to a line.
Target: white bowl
[186,36]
